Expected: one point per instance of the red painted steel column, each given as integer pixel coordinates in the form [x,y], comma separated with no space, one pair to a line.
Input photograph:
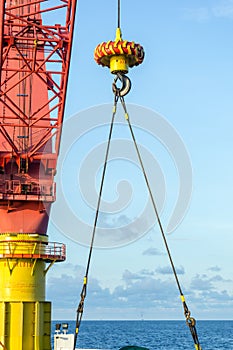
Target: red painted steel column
[35,59]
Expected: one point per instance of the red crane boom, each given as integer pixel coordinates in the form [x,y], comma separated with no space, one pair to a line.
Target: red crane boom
[34,61]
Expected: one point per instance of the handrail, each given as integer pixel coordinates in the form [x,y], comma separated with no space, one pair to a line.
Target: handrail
[17,187]
[32,249]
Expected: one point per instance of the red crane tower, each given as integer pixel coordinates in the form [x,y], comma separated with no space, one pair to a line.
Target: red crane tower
[35,50]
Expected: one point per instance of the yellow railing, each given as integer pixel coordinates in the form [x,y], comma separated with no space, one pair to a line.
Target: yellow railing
[32,249]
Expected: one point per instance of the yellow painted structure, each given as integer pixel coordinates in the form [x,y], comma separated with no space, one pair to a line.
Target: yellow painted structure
[119,63]
[25,315]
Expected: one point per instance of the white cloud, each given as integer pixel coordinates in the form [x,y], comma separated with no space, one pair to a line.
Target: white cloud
[201,283]
[210,290]
[152,251]
[138,292]
[128,276]
[200,14]
[223,9]
[167,270]
[214,268]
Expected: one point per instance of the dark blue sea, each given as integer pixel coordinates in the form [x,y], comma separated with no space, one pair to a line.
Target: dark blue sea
[169,335]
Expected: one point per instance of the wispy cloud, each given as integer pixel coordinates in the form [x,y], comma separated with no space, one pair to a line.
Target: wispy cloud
[152,251]
[200,14]
[167,270]
[221,9]
[120,230]
[214,268]
[206,283]
[129,276]
[201,282]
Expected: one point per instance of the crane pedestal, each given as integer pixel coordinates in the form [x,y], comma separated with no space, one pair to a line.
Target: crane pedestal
[25,315]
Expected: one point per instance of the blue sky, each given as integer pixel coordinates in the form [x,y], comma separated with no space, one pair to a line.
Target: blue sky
[187,78]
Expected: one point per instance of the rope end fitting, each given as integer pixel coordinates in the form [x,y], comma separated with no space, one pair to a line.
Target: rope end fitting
[198,347]
[182,298]
[118,35]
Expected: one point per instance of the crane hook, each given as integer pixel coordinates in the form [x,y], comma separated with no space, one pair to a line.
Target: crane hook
[126,85]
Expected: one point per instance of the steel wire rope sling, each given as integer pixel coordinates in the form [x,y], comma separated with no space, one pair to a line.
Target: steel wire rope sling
[118,56]
[190,321]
